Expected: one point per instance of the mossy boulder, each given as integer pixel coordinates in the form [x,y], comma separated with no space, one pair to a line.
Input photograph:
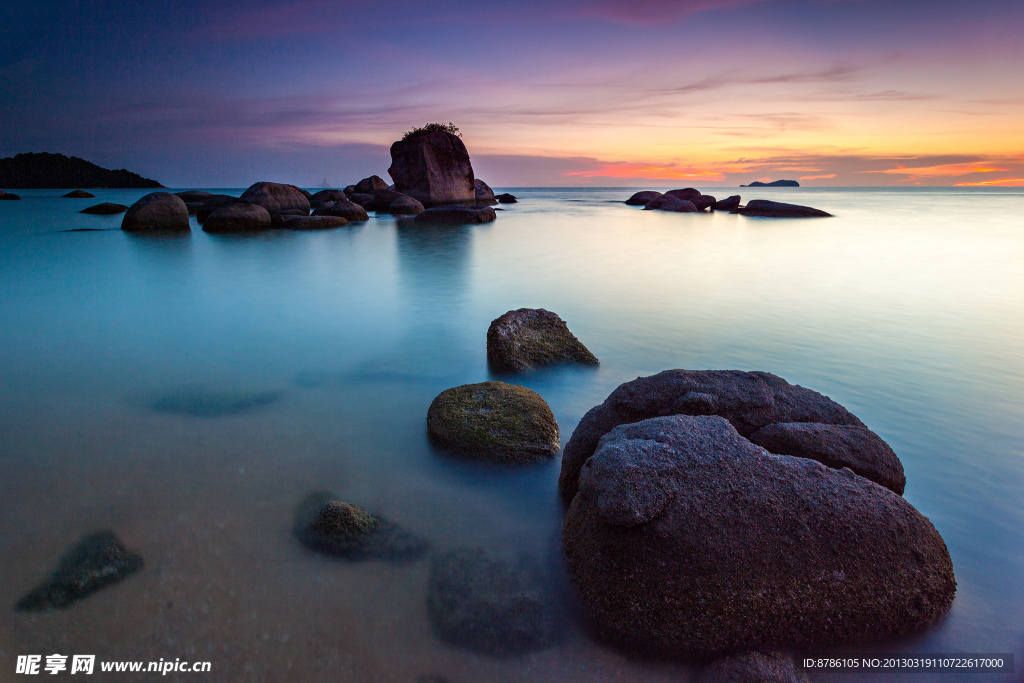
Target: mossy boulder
[341,529]
[533,337]
[494,421]
[488,604]
[98,560]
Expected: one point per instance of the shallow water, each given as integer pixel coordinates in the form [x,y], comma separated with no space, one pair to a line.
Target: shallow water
[187,392]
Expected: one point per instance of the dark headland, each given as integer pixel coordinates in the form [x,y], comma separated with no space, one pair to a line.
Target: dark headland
[774,183]
[42,170]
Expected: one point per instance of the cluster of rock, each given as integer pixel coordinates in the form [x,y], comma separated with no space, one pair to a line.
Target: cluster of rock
[685,533]
[690,200]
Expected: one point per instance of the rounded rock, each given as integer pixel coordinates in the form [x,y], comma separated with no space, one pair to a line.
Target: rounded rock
[237,217]
[533,337]
[157,212]
[643,197]
[276,197]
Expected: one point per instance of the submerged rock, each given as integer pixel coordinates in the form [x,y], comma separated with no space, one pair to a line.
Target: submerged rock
[750,401]
[276,198]
[731,203]
[643,198]
[484,193]
[533,337]
[344,530]
[433,168]
[753,667]
[312,222]
[343,208]
[494,421]
[457,215]
[157,212]
[237,217]
[506,198]
[78,194]
[490,605]
[686,537]
[200,403]
[98,560]
[768,209]
[105,209]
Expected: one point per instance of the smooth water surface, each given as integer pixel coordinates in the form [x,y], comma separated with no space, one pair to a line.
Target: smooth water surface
[187,392]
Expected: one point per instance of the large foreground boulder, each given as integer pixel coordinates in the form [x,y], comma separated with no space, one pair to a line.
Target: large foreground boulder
[642,198]
[276,198]
[493,421]
[237,217]
[340,529]
[686,537]
[343,208]
[105,209]
[530,338]
[457,215]
[157,212]
[98,560]
[751,401]
[769,209]
[433,168]
[484,194]
[490,604]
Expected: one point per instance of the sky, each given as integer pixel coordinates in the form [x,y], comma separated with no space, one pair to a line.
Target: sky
[224,93]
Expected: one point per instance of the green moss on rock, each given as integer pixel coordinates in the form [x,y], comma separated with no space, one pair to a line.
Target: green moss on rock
[533,337]
[494,421]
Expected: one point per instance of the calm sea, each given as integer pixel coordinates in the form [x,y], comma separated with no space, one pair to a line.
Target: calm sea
[907,308]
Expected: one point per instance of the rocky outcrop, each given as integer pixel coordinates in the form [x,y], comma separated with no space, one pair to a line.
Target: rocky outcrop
[370,185]
[686,537]
[753,667]
[687,193]
[484,194]
[211,204]
[433,168]
[750,401]
[506,198]
[405,206]
[237,217]
[78,194]
[668,202]
[97,561]
[489,604]
[340,529]
[643,198]
[457,215]
[105,209]
[768,209]
[157,212]
[312,222]
[530,338]
[344,208]
[8,196]
[493,421]
[276,198]
[731,203]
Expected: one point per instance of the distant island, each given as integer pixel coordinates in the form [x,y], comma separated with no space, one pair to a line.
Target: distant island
[55,171]
[774,183]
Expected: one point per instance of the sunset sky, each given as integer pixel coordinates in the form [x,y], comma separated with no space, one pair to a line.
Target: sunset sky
[584,92]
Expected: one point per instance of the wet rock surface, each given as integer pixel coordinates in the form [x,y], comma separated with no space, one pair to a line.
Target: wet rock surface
[105,209]
[748,400]
[340,529]
[276,198]
[490,605]
[686,537]
[237,217]
[768,209]
[643,198]
[484,193]
[457,215]
[405,206]
[533,337]
[97,561]
[202,403]
[344,208]
[731,203]
[157,212]
[493,421]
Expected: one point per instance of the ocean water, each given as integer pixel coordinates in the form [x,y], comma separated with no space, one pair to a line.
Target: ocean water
[308,361]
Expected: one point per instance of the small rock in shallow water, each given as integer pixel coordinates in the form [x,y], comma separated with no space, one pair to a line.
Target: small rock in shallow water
[98,560]
[347,531]
[494,421]
[533,337]
[490,605]
[768,209]
[506,198]
[157,212]
[105,209]
[78,194]
[731,203]
[214,403]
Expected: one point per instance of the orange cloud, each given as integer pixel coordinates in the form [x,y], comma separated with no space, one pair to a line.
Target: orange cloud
[1002,182]
[942,170]
[816,177]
